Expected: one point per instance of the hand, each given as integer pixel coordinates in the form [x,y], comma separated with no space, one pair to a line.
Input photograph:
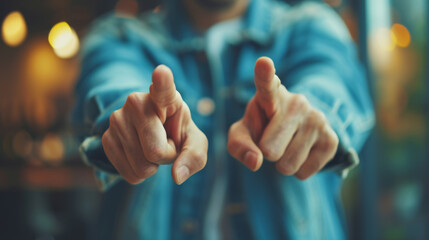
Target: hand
[155,128]
[281,127]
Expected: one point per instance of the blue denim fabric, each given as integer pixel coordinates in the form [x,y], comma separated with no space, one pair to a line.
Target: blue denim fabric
[313,55]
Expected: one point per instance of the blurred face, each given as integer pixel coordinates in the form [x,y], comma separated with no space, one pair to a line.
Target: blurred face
[205,13]
[216,5]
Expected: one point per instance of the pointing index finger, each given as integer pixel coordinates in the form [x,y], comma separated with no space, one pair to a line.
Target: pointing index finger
[163,92]
[193,156]
[266,81]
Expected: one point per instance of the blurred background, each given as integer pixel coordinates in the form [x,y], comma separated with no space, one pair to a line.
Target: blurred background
[46,192]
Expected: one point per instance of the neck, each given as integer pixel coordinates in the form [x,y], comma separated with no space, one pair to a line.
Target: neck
[203,18]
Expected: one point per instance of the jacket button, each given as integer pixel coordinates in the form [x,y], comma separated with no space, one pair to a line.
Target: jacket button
[205,106]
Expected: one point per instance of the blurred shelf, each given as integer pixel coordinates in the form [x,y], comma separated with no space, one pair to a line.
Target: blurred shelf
[60,177]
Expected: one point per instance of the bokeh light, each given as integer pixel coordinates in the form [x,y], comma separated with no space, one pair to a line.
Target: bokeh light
[205,106]
[41,68]
[400,35]
[41,73]
[64,40]
[14,29]
[381,47]
[52,148]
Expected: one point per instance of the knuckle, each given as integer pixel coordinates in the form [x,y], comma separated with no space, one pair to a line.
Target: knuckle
[302,176]
[334,141]
[118,122]
[316,119]
[154,154]
[131,179]
[105,139]
[298,102]
[204,139]
[200,159]
[166,99]
[321,116]
[115,118]
[134,100]
[269,153]
[333,145]
[314,166]
[181,105]
[232,130]
[310,169]
[289,169]
[201,163]
[282,128]
[233,144]
[300,98]
[147,171]
[178,97]
[330,143]
[172,98]
[134,181]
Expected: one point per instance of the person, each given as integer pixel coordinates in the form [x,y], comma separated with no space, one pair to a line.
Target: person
[168,100]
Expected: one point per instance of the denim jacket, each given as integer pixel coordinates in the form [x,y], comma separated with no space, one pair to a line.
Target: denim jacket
[213,71]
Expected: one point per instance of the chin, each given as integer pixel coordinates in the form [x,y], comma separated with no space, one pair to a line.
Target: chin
[215,5]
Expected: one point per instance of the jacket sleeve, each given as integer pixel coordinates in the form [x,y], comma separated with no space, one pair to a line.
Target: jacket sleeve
[111,69]
[324,67]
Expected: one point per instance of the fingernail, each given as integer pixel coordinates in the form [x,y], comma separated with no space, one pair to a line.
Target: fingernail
[250,160]
[182,174]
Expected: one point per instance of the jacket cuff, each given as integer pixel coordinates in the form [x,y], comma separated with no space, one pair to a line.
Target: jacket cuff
[92,153]
[346,157]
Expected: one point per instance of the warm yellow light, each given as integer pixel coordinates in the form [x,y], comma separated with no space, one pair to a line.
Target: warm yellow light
[64,40]
[14,29]
[52,148]
[381,47]
[400,35]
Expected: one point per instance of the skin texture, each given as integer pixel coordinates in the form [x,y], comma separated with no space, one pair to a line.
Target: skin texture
[281,127]
[155,128]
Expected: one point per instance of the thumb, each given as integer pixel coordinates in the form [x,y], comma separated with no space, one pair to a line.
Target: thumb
[193,156]
[163,92]
[242,147]
[266,81]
